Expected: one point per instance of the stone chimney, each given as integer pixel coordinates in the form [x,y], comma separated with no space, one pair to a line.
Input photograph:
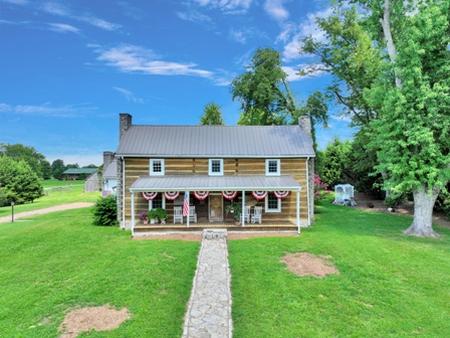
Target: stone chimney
[124,123]
[305,123]
[108,157]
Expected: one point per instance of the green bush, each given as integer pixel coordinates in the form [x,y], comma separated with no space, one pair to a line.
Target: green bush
[394,200]
[105,211]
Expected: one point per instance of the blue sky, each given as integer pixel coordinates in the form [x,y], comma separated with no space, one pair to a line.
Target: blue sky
[69,67]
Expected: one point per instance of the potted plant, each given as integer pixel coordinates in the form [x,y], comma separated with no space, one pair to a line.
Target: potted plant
[162,216]
[235,210]
[143,217]
[152,215]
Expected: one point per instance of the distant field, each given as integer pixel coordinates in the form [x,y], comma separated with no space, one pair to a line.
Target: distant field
[56,192]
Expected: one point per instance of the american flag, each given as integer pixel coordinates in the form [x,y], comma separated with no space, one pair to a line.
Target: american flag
[186,204]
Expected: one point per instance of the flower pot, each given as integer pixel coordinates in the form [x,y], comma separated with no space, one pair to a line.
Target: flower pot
[153,221]
[145,221]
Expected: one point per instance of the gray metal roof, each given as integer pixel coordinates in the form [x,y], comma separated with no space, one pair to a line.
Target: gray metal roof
[214,183]
[111,170]
[216,141]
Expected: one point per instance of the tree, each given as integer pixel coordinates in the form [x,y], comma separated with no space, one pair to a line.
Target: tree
[263,91]
[58,168]
[212,116]
[412,132]
[335,163]
[18,182]
[35,160]
[46,169]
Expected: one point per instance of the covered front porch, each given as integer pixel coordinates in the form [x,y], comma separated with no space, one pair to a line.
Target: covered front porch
[196,202]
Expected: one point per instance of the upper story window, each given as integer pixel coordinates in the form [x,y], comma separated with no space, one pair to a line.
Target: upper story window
[215,167]
[273,167]
[156,167]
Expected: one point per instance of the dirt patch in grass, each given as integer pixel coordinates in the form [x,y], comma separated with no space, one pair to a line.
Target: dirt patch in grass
[306,264]
[246,235]
[98,318]
[189,236]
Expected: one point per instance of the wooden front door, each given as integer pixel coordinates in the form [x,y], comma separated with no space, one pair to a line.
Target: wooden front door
[215,208]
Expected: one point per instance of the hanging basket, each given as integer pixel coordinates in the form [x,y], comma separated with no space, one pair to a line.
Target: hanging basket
[229,195]
[201,195]
[171,195]
[149,195]
[259,195]
[281,194]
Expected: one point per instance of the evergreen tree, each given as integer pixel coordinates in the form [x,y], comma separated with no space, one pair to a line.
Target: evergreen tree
[212,116]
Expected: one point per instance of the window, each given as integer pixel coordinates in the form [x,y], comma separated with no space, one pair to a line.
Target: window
[273,167]
[156,167]
[158,202]
[216,167]
[273,204]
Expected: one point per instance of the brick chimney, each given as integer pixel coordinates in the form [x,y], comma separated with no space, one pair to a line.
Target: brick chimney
[125,123]
[305,123]
[108,157]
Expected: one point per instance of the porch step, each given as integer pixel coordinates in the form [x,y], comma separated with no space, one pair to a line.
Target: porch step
[159,228]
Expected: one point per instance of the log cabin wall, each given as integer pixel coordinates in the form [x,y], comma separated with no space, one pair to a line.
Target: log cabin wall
[296,167]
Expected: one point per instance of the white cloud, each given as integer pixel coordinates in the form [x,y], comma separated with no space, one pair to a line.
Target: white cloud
[58,9]
[293,49]
[238,36]
[135,59]
[194,16]
[276,9]
[63,28]
[303,71]
[16,2]
[129,95]
[46,109]
[227,6]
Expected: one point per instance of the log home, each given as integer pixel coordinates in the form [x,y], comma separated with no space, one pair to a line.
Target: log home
[204,176]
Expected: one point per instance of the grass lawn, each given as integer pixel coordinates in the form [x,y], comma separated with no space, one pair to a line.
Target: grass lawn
[56,192]
[389,285]
[59,261]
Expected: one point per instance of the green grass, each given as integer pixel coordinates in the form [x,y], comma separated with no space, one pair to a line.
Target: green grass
[56,192]
[389,285]
[59,261]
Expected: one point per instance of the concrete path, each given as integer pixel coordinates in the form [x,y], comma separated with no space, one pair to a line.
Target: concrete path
[209,309]
[43,211]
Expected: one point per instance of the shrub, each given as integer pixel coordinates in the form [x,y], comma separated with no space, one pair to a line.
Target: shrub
[393,200]
[105,211]
[319,187]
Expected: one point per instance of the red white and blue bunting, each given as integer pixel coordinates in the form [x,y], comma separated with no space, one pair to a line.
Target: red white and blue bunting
[229,195]
[281,194]
[171,195]
[259,195]
[201,195]
[149,195]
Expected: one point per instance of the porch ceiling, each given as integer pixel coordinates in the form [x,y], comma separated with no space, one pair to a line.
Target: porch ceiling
[214,183]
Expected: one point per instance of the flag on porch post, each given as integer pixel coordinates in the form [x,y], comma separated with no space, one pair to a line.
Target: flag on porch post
[186,204]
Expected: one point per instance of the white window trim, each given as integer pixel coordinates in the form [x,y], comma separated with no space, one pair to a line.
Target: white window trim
[163,169]
[278,167]
[150,202]
[210,173]
[266,206]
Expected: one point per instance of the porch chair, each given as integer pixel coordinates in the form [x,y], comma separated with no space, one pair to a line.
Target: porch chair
[177,215]
[192,214]
[257,215]
[246,214]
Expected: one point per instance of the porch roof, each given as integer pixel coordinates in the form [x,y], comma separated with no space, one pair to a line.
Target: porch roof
[214,183]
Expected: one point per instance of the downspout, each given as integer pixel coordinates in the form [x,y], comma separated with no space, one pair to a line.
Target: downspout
[123,193]
[308,192]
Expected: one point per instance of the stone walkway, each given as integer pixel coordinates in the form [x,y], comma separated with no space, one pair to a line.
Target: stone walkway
[43,211]
[209,309]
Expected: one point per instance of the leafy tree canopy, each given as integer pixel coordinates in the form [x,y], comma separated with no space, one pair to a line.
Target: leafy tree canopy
[35,160]
[212,115]
[58,168]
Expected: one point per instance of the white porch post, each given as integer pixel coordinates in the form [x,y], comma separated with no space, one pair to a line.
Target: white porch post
[297,204]
[132,213]
[243,208]
[189,205]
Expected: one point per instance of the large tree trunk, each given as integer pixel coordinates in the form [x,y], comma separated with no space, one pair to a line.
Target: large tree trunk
[422,225]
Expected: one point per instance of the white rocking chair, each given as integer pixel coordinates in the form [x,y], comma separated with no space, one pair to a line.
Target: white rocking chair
[177,215]
[246,214]
[257,215]
[192,214]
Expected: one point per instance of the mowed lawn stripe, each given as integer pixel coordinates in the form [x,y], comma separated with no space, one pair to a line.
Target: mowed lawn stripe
[59,261]
[389,284]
